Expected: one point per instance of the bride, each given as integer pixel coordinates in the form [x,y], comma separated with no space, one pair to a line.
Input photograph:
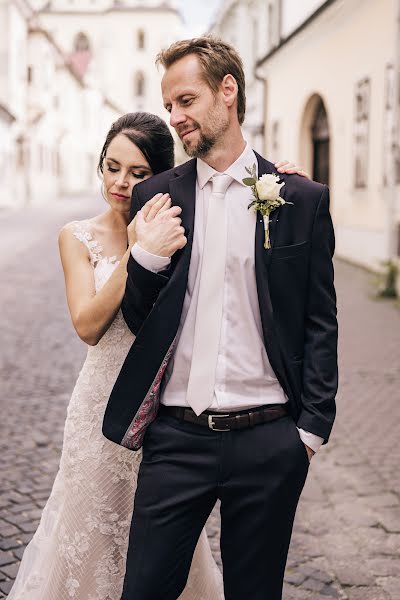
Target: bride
[79,549]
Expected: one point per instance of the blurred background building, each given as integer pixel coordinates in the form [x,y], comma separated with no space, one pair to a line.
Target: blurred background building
[68,69]
[330,100]
[322,90]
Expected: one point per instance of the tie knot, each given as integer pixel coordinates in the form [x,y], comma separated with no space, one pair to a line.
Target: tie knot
[220,183]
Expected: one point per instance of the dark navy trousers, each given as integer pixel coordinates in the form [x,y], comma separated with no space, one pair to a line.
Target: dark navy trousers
[257,473]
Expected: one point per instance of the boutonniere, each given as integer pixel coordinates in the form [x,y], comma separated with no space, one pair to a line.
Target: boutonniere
[266,192]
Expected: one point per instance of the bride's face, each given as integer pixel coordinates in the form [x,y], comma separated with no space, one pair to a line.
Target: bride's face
[124,166]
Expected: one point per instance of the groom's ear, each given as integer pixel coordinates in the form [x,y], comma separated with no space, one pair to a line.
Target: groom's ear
[229,89]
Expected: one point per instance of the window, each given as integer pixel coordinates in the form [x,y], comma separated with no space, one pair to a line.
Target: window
[361,133]
[81,43]
[140,39]
[21,152]
[139,85]
[275,139]
[321,143]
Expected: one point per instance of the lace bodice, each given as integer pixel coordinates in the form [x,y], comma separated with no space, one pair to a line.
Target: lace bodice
[79,550]
[103,265]
[117,340]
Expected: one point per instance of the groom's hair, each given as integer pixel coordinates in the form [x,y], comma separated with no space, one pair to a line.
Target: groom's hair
[217,59]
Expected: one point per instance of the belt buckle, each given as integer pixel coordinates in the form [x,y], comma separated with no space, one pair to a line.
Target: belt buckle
[211,423]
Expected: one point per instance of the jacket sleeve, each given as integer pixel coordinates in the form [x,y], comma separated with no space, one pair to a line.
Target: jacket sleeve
[142,286]
[320,373]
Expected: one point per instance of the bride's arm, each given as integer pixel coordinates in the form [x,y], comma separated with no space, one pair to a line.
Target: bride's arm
[91,313]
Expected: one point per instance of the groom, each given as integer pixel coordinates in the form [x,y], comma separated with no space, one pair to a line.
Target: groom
[237,341]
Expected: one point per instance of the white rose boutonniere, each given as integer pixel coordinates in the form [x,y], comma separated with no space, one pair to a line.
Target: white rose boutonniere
[266,192]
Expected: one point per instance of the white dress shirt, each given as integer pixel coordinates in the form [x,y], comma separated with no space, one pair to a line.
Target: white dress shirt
[244,377]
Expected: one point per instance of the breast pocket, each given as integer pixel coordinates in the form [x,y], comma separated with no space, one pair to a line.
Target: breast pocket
[287,252]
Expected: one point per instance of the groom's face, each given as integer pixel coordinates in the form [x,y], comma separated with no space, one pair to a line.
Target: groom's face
[198,114]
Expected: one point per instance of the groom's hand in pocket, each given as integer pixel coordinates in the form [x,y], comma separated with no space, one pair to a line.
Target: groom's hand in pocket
[310,452]
[159,230]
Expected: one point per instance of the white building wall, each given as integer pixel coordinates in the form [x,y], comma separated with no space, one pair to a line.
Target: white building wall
[13,51]
[4,50]
[244,24]
[81,121]
[348,41]
[7,161]
[17,59]
[294,13]
[42,131]
[116,59]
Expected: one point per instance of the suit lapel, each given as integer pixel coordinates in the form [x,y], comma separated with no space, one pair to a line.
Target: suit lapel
[264,166]
[262,261]
[183,193]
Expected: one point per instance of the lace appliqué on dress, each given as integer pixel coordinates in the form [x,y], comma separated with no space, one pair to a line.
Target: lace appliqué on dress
[83,233]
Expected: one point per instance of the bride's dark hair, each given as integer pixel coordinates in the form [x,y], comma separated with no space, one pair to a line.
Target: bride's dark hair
[150,134]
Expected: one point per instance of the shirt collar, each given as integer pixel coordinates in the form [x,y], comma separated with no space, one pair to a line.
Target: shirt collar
[237,170]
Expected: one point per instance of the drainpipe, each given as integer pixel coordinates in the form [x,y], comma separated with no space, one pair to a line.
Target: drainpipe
[393,224]
[263,127]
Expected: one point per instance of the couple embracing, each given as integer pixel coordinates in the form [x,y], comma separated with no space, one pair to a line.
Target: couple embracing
[221,367]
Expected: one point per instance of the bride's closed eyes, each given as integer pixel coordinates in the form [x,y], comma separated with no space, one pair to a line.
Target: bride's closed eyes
[137,175]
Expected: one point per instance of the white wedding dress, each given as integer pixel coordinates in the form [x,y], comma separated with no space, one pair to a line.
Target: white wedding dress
[80,546]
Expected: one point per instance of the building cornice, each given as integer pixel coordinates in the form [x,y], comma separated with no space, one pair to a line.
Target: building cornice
[47,9]
[294,33]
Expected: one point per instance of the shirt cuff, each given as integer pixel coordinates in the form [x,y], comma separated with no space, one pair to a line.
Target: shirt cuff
[310,439]
[150,262]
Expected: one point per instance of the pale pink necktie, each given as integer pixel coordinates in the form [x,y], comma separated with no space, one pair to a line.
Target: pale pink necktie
[200,391]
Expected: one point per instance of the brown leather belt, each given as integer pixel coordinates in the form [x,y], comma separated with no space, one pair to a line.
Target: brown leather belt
[227,421]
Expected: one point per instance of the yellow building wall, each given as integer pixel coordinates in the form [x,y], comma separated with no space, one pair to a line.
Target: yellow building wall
[349,41]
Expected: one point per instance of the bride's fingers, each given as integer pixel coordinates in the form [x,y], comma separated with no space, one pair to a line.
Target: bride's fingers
[163,203]
[281,164]
[147,207]
[156,204]
[304,174]
[295,169]
[286,167]
[290,168]
[165,206]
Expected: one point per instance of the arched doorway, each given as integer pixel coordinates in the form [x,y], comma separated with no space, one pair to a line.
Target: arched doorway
[315,139]
[320,139]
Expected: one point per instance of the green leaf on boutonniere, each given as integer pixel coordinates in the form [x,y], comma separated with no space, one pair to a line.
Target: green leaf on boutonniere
[249,181]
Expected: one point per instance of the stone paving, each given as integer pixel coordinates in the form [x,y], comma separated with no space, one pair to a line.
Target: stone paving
[346,541]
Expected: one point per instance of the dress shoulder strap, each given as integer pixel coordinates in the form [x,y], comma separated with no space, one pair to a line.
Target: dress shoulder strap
[83,232]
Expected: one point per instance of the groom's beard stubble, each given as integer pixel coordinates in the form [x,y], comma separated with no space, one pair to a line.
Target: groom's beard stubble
[217,125]
[202,148]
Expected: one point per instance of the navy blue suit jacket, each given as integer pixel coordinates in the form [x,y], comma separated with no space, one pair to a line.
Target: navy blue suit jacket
[296,298]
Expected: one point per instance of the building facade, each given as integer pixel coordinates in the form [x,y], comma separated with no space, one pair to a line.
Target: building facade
[67,71]
[14,18]
[332,104]
[322,83]
[245,25]
[113,44]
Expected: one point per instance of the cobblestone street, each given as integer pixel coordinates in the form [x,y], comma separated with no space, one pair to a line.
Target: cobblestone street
[346,542]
